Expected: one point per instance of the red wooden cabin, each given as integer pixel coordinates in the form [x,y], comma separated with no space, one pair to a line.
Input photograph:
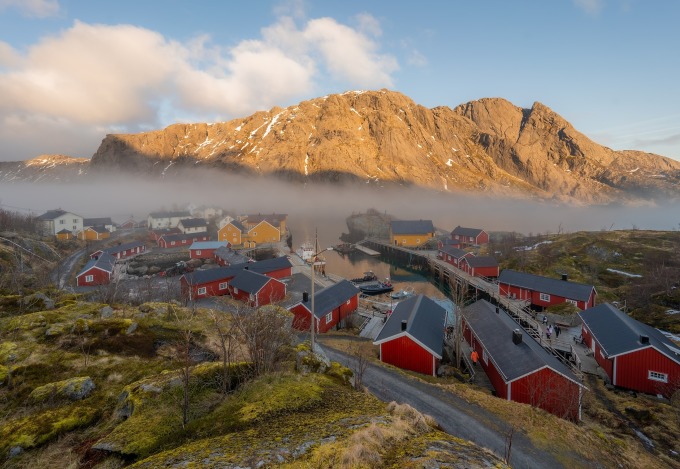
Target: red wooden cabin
[518,367]
[542,292]
[122,251]
[470,236]
[205,249]
[634,355]
[256,289]
[480,266]
[332,306]
[180,240]
[413,336]
[453,255]
[97,271]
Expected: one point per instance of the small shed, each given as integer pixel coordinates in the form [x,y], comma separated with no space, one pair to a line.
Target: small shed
[634,355]
[94,233]
[470,236]
[97,271]
[413,336]
[453,255]
[480,266]
[205,283]
[205,249]
[542,292]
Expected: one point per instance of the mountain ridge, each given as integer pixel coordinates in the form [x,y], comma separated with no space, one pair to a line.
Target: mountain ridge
[386,139]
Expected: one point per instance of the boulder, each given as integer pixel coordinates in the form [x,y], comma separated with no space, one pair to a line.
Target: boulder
[106,312]
[38,302]
[133,327]
[73,389]
[308,362]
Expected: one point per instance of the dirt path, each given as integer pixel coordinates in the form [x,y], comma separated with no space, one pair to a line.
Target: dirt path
[62,273]
[456,416]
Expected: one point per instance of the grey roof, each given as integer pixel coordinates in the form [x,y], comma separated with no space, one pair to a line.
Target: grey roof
[261,267]
[98,229]
[566,289]
[200,277]
[193,222]
[229,255]
[104,262]
[495,332]
[181,236]
[240,226]
[123,247]
[65,231]
[455,252]
[618,333]
[481,261]
[52,214]
[329,298]
[268,265]
[274,219]
[459,230]
[425,322]
[176,214]
[250,282]
[97,221]
[450,242]
[208,245]
[412,226]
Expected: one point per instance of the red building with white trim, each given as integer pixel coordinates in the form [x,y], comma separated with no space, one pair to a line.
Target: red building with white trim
[452,255]
[122,251]
[470,236]
[542,292]
[179,240]
[520,369]
[413,336]
[634,355]
[332,306]
[256,289]
[97,271]
[205,249]
[480,266]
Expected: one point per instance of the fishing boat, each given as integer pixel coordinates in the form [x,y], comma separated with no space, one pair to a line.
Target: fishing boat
[368,277]
[403,293]
[306,251]
[344,248]
[376,288]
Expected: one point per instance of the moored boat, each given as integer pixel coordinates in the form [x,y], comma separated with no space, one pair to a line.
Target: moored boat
[403,293]
[368,277]
[376,288]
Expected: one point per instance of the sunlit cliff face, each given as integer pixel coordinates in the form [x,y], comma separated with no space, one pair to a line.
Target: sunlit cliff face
[118,196]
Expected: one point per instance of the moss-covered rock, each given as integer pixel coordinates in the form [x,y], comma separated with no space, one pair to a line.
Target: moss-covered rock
[343,373]
[74,389]
[36,429]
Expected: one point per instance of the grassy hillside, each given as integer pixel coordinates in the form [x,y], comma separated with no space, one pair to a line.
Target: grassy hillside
[651,258]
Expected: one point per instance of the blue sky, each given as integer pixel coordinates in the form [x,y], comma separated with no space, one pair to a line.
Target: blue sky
[72,71]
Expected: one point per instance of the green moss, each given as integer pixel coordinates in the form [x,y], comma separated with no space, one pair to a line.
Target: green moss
[39,428]
[73,388]
[343,373]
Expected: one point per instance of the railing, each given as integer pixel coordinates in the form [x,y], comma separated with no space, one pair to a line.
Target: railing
[574,356]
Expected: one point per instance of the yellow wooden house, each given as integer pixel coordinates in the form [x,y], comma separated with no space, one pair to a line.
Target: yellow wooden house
[65,235]
[232,233]
[264,232]
[237,234]
[94,233]
[277,220]
[411,233]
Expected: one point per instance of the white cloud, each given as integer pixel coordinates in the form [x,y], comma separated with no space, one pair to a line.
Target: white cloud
[125,77]
[592,7]
[33,8]
[368,24]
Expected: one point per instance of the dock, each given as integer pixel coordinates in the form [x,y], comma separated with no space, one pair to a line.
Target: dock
[366,250]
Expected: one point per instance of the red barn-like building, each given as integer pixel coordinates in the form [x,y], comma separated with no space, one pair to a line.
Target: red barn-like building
[542,292]
[276,267]
[469,236]
[413,336]
[158,233]
[453,255]
[332,306]
[480,266]
[97,271]
[179,240]
[225,256]
[634,355]
[518,367]
[256,289]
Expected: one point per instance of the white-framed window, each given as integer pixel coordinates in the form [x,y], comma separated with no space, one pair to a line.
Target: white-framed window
[656,376]
[62,222]
[75,220]
[544,297]
[418,241]
[348,301]
[485,357]
[198,252]
[329,317]
[223,286]
[252,297]
[172,243]
[202,291]
[573,302]
[235,291]
[89,278]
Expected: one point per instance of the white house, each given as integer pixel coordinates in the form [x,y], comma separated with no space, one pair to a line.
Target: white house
[54,221]
[159,220]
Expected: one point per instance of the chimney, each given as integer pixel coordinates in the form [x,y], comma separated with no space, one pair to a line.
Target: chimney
[497,310]
[565,277]
[305,297]
[516,337]
[644,340]
[403,325]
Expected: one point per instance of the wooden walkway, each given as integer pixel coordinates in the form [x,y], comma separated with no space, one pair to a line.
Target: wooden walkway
[518,310]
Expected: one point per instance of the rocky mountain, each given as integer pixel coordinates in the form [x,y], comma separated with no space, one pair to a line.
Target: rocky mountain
[45,168]
[384,138]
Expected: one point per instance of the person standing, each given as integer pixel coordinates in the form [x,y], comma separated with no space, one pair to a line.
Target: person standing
[475,356]
[548,331]
[557,331]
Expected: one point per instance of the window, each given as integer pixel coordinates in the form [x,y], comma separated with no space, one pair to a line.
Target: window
[329,317]
[235,291]
[254,233]
[172,243]
[62,222]
[348,301]
[656,376]
[198,252]
[75,220]
[202,291]
[252,297]
[544,297]
[573,302]
[418,241]
[89,278]
[223,285]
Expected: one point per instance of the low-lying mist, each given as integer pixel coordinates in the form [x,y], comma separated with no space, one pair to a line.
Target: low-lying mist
[119,196]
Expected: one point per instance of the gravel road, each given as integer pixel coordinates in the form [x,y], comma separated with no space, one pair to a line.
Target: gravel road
[456,416]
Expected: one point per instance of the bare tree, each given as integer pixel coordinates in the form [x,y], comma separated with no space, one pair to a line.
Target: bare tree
[185,320]
[359,364]
[226,333]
